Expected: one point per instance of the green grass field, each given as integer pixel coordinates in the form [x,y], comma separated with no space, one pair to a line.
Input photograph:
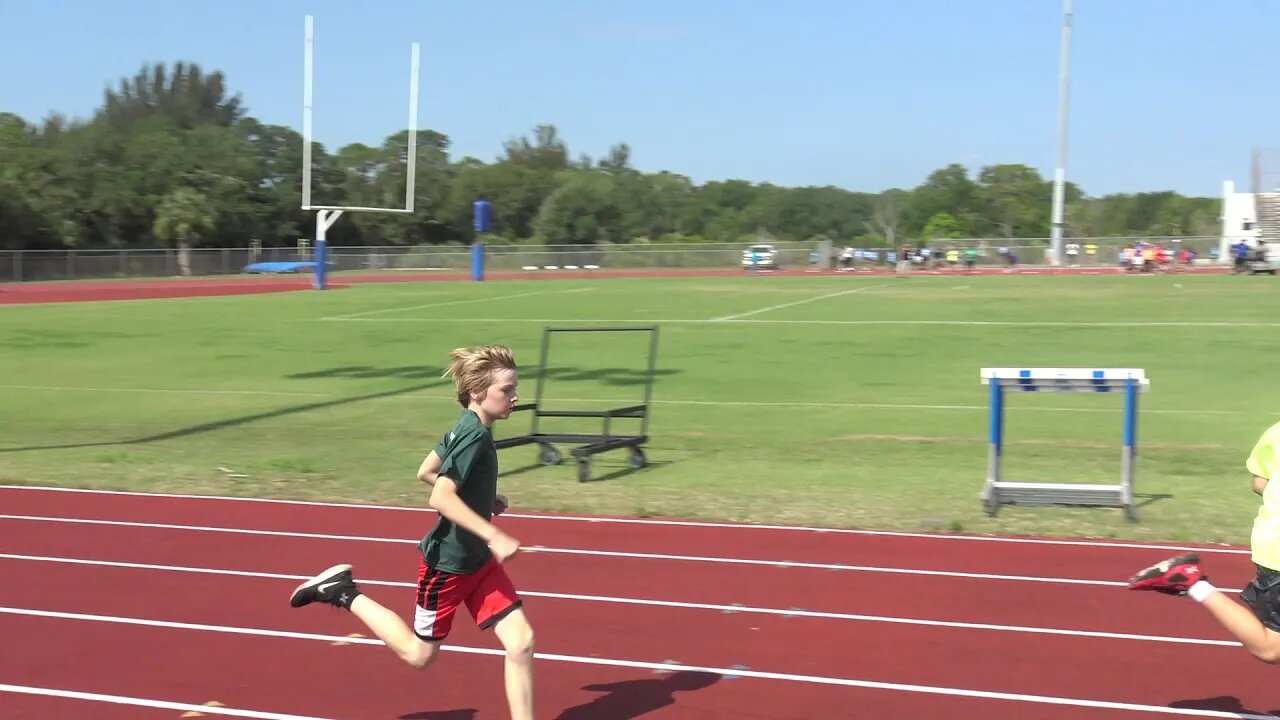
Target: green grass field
[851,401]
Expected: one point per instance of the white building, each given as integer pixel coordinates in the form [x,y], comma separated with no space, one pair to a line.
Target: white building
[1239,218]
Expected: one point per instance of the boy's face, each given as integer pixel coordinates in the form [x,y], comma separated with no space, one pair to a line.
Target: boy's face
[500,397]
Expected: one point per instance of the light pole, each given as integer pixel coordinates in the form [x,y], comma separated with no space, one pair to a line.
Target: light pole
[1060,171]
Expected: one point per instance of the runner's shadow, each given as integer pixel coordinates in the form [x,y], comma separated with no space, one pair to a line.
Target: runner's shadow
[633,698]
[1149,498]
[1221,703]
[468,714]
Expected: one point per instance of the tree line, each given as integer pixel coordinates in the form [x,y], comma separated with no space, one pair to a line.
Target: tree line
[173,157]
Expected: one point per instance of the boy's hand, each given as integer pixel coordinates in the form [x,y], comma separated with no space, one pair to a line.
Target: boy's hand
[500,505]
[504,546]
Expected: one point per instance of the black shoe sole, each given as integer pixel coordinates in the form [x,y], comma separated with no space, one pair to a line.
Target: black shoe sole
[307,592]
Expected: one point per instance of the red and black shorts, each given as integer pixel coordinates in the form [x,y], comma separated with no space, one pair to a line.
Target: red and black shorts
[488,593]
[1262,595]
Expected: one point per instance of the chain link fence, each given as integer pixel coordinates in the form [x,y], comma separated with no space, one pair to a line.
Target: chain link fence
[46,265]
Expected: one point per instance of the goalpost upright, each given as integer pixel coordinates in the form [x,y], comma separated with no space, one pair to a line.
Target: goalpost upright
[327,215]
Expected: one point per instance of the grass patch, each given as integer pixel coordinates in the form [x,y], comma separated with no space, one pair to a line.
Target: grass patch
[859,409]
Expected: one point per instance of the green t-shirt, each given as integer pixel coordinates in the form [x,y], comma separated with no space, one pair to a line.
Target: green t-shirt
[470,459]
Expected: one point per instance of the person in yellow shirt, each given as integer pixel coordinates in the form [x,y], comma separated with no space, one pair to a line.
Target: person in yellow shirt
[1257,627]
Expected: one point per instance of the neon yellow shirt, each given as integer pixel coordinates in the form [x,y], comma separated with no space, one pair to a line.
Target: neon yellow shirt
[1263,462]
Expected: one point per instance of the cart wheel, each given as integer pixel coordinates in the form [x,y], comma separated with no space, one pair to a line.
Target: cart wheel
[548,454]
[636,458]
[584,469]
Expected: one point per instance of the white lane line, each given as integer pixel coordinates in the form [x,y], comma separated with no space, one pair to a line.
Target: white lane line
[731,320]
[595,553]
[664,667]
[834,566]
[748,609]
[150,703]
[667,523]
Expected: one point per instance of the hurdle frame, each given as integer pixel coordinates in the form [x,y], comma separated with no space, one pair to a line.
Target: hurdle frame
[997,491]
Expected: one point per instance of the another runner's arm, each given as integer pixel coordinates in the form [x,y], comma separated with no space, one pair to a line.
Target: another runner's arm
[1262,460]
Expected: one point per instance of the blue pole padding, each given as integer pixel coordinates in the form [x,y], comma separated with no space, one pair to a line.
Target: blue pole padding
[997,415]
[1130,414]
[477,261]
[321,252]
[482,216]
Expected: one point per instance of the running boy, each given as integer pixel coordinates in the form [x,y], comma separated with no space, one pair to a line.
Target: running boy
[1258,626]
[462,555]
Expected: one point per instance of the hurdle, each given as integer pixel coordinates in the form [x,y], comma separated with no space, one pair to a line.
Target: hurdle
[997,491]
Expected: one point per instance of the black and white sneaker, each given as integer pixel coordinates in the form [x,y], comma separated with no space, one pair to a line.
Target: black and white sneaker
[335,586]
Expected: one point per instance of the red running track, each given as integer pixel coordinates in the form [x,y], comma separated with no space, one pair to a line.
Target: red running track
[204,286]
[315,678]
[1092,607]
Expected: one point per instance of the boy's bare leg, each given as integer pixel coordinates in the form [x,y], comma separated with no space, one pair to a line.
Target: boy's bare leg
[336,586]
[1182,576]
[393,631]
[516,636]
[1240,621]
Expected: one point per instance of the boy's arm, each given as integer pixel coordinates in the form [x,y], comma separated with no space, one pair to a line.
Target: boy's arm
[1259,484]
[430,468]
[445,500]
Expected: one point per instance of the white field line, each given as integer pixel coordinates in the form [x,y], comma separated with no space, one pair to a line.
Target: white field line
[732,320]
[656,401]
[659,667]
[780,306]
[150,703]
[748,609]
[446,303]
[666,557]
[650,521]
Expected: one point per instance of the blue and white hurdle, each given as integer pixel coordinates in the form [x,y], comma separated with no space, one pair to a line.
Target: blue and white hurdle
[997,491]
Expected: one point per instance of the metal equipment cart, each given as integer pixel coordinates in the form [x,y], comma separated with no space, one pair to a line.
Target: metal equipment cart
[589,444]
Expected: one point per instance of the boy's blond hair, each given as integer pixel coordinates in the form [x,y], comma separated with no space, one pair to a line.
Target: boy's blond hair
[472,368]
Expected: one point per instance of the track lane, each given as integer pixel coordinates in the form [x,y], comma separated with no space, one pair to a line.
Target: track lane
[361,684]
[1077,607]
[948,657]
[222,549]
[1103,559]
[364,684]
[17,706]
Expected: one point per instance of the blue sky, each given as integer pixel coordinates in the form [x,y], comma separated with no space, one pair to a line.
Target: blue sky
[854,93]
